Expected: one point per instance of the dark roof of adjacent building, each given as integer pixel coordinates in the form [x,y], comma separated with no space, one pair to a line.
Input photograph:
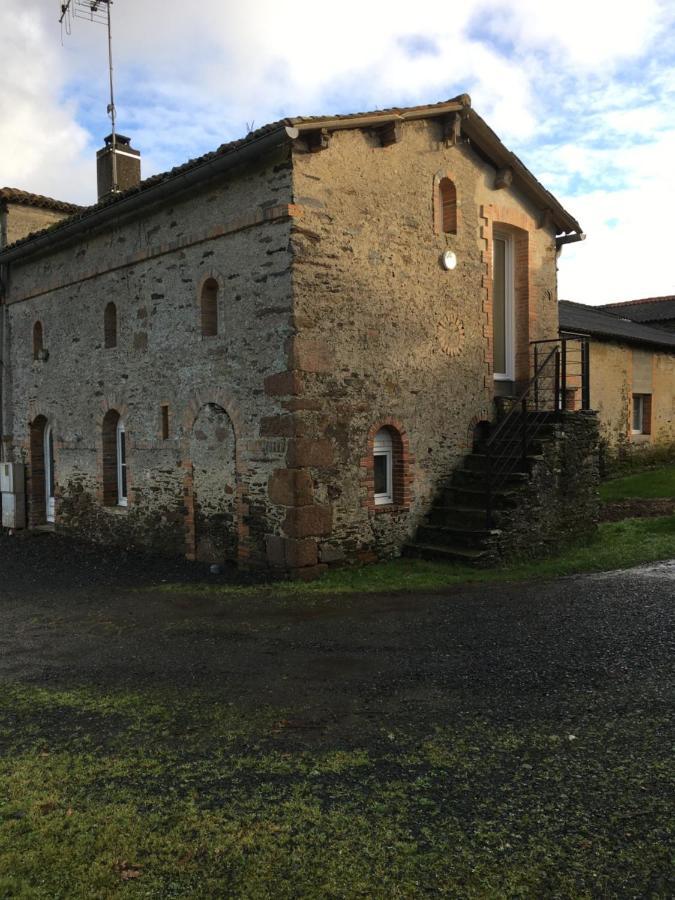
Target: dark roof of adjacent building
[24,198]
[650,309]
[480,135]
[596,321]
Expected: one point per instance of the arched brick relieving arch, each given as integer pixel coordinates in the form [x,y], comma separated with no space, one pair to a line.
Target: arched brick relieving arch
[402,467]
[520,226]
[112,403]
[223,400]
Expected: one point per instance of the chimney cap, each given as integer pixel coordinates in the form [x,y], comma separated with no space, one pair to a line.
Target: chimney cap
[119,139]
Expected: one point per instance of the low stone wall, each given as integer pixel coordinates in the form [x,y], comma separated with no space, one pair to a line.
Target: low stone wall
[560,505]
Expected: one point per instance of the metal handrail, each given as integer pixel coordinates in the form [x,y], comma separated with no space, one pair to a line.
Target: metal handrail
[525,434]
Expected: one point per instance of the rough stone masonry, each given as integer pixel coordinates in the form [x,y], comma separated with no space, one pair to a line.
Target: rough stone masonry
[317,246]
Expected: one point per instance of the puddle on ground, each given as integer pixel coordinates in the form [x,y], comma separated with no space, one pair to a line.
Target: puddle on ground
[665,570]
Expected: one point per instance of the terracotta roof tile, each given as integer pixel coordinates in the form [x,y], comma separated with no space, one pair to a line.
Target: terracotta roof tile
[24,198]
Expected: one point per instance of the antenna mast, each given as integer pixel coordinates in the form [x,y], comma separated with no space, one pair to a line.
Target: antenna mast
[96,11]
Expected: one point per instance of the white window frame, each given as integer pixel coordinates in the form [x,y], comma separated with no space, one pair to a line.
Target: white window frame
[121,464]
[384,446]
[638,405]
[509,305]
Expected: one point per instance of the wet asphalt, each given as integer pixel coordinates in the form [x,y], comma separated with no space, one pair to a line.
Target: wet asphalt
[73,615]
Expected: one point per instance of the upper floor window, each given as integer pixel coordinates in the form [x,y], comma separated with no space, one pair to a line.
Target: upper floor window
[447,196]
[38,342]
[209,308]
[110,325]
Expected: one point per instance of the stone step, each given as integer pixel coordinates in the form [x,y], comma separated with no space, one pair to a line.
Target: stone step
[455,536]
[478,461]
[465,555]
[477,497]
[475,478]
[471,517]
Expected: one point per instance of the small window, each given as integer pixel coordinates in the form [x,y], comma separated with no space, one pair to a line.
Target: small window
[38,344]
[209,308]
[165,422]
[448,206]
[110,326]
[121,465]
[642,414]
[383,468]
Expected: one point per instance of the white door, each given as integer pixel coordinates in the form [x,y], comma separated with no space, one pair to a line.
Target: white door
[49,473]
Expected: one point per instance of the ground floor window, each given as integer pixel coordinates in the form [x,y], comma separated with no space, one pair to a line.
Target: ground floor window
[642,414]
[383,467]
[121,465]
[114,460]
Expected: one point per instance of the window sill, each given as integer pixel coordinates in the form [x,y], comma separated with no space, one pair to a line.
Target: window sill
[389,508]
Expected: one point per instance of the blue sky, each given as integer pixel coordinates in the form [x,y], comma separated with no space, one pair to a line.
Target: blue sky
[583,92]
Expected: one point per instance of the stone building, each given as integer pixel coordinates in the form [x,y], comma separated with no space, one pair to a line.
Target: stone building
[631,375]
[277,352]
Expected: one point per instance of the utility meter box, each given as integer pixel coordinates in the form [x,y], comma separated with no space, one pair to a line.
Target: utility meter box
[12,477]
[14,511]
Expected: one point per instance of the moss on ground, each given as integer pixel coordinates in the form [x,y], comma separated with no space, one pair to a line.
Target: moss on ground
[177,795]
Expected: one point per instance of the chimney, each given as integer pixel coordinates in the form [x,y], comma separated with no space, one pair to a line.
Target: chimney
[127,161]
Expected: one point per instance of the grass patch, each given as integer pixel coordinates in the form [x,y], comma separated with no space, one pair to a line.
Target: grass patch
[198,807]
[616,545]
[648,485]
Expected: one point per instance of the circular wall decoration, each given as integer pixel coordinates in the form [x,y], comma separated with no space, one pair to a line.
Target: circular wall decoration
[450,332]
[449,260]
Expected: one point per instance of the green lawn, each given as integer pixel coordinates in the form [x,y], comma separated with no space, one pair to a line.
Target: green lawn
[648,485]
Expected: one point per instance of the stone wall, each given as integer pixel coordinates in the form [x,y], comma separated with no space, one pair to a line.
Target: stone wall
[386,335]
[235,231]
[560,505]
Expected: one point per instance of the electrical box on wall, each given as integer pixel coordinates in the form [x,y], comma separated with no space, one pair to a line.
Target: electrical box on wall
[14,511]
[12,477]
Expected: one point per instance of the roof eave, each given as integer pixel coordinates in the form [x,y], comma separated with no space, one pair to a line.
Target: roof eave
[127,206]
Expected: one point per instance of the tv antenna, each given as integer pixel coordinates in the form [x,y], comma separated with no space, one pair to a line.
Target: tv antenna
[95,11]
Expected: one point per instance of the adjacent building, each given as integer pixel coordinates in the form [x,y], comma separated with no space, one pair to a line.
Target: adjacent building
[631,371]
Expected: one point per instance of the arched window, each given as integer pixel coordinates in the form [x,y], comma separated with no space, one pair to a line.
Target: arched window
[387,467]
[209,308]
[38,344]
[447,203]
[114,460]
[110,326]
[383,467]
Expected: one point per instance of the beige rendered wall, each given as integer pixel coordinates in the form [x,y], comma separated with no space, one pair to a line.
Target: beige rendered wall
[613,382]
[22,220]
[388,334]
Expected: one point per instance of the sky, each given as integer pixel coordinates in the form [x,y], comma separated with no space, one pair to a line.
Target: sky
[582,91]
